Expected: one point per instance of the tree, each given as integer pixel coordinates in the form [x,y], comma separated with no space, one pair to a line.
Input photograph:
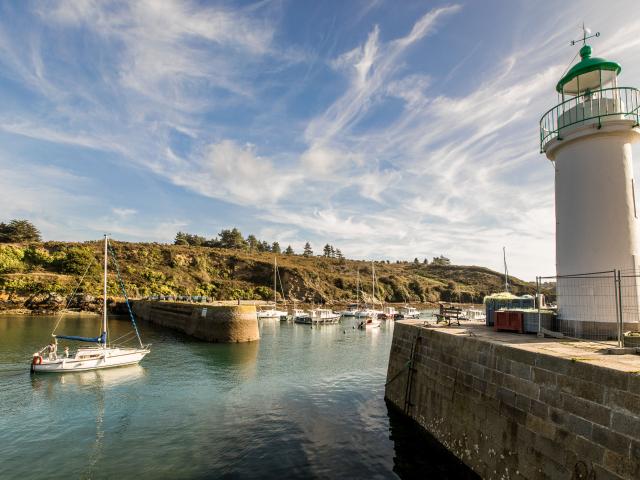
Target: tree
[441,260]
[332,254]
[416,261]
[339,254]
[253,242]
[307,250]
[181,239]
[289,251]
[19,231]
[425,261]
[275,247]
[232,239]
[327,250]
[264,247]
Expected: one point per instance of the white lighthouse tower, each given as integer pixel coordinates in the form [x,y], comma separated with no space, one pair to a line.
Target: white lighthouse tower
[588,137]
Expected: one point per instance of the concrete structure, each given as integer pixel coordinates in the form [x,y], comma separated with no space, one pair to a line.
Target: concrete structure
[212,323]
[517,406]
[588,136]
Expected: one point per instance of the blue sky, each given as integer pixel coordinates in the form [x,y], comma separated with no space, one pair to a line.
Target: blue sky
[389,129]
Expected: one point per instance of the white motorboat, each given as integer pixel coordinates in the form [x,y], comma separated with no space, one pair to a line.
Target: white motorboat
[368,312]
[409,312]
[318,316]
[474,314]
[103,354]
[298,314]
[273,313]
[351,310]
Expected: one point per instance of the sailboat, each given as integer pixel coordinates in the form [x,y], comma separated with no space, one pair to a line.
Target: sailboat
[273,312]
[369,316]
[103,354]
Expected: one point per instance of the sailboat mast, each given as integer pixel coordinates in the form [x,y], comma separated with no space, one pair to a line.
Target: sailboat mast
[357,288]
[104,293]
[275,281]
[373,285]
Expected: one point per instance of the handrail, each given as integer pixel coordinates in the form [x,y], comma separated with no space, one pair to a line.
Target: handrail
[597,104]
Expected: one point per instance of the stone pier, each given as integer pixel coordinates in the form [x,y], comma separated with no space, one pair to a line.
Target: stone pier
[518,406]
[212,323]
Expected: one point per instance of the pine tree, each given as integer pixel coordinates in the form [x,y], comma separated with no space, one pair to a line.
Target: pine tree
[416,261]
[307,250]
[289,251]
[327,250]
[339,254]
[275,247]
[181,239]
[253,242]
[19,231]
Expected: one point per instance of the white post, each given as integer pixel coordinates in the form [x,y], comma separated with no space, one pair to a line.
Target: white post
[104,291]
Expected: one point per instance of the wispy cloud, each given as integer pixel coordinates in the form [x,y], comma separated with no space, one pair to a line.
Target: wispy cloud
[362,147]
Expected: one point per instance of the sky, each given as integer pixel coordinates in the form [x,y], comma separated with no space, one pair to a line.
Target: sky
[391,130]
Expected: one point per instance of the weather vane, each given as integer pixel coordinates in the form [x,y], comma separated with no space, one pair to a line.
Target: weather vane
[586,34]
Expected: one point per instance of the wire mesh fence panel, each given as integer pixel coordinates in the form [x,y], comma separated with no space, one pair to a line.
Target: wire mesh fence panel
[629,285]
[588,306]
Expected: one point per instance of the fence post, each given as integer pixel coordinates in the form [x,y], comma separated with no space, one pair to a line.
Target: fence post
[539,301]
[619,306]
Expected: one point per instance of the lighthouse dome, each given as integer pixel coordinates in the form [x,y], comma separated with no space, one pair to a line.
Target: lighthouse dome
[590,73]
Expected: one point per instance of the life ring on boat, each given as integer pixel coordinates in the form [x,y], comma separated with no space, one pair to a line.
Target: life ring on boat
[37,360]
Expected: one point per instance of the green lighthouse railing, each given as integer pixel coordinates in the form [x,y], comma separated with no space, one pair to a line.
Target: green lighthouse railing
[592,106]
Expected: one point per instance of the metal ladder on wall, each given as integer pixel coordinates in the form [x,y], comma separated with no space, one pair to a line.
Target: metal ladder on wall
[410,373]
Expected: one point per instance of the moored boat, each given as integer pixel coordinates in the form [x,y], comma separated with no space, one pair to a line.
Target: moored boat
[408,312]
[318,316]
[273,313]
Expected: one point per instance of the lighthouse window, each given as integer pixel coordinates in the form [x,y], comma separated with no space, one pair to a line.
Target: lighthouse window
[633,192]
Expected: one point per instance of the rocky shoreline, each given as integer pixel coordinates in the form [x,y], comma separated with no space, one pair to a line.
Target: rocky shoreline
[49,303]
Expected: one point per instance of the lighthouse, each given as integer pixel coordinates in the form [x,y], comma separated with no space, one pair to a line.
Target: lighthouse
[588,136]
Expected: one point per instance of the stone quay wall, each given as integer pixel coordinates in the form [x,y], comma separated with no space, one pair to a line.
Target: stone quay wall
[212,323]
[512,413]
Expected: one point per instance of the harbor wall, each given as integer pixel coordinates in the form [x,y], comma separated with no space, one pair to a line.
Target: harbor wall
[513,413]
[211,323]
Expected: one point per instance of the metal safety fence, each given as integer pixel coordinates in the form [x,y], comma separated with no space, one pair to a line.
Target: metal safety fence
[599,306]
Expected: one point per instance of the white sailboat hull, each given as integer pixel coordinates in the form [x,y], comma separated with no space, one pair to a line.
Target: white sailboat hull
[90,359]
[274,314]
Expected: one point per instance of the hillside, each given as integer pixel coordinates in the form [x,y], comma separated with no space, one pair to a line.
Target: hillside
[223,274]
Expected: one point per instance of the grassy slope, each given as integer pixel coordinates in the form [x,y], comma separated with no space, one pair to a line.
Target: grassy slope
[150,268]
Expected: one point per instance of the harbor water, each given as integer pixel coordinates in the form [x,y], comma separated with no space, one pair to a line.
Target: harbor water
[301,403]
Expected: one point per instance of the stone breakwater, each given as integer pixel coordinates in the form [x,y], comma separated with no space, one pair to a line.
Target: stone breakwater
[515,406]
[211,323]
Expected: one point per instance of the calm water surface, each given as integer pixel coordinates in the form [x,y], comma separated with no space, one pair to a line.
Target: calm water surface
[300,403]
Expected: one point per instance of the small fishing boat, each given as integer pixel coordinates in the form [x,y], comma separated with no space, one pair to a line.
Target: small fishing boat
[273,313]
[408,312]
[318,316]
[103,354]
[473,314]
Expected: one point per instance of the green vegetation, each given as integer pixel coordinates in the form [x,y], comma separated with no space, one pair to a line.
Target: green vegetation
[238,273]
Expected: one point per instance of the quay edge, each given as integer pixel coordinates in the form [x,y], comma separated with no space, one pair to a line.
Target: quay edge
[211,323]
[517,406]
